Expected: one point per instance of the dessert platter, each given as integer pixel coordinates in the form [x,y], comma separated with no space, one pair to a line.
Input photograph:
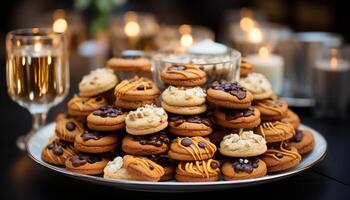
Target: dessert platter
[184,132]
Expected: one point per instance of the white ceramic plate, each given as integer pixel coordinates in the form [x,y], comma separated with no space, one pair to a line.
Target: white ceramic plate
[40,139]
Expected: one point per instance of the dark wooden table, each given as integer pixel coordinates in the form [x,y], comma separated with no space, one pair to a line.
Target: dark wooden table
[22,178]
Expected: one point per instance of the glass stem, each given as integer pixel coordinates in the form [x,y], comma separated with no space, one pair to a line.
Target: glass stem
[39,120]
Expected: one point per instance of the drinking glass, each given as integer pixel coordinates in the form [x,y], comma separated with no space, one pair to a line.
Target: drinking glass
[37,72]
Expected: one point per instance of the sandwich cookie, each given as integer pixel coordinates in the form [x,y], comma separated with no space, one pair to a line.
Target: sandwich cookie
[243,118]
[190,125]
[271,109]
[275,131]
[258,85]
[57,152]
[183,75]
[95,142]
[243,168]
[83,163]
[106,118]
[198,171]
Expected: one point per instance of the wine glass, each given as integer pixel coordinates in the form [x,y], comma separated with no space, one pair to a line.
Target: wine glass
[37,72]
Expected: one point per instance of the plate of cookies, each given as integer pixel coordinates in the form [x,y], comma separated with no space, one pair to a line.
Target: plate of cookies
[130,134]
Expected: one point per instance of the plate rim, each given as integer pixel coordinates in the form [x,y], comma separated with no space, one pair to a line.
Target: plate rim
[120,183]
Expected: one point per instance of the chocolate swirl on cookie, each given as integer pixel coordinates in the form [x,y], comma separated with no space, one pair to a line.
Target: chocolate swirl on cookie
[179,119]
[232,88]
[245,165]
[234,114]
[81,159]
[298,136]
[91,135]
[57,147]
[156,140]
[108,111]
[136,83]
[280,149]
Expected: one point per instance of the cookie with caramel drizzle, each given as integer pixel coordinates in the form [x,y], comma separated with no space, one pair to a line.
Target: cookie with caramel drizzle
[275,131]
[183,75]
[280,156]
[191,149]
[271,109]
[144,168]
[83,106]
[137,88]
[198,171]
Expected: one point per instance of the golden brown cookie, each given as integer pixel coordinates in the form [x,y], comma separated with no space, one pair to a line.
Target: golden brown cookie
[97,82]
[129,61]
[184,101]
[136,89]
[146,120]
[190,125]
[143,168]
[133,105]
[243,118]
[198,171]
[83,163]
[57,152]
[68,128]
[243,168]
[191,149]
[246,67]
[168,165]
[271,109]
[275,131]
[229,95]
[83,106]
[95,142]
[258,85]
[145,145]
[107,118]
[183,75]
[292,118]
[303,141]
[280,156]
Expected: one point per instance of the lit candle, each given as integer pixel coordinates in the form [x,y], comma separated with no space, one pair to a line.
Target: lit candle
[331,82]
[132,28]
[186,39]
[60,24]
[271,65]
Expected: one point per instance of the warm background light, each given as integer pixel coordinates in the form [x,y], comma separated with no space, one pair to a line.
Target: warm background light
[186,40]
[60,26]
[255,35]
[263,52]
[246,24]
[132,29]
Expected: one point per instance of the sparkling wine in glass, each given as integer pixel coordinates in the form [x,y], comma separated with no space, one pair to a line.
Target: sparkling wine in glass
[37,72]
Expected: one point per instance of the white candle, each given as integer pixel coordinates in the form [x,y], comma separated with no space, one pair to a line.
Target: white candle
[271,65]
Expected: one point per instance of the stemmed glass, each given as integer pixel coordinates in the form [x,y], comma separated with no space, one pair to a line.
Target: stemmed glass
[37,72]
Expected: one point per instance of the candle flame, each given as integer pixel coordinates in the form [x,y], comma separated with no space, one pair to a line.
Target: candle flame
[246,24]
[185,29]
[334,63]
[60,25]
[186,40]
[37,47]
[263,52]
[132,29]
[255,35]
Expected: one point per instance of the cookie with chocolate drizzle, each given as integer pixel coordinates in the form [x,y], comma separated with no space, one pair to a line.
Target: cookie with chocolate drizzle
[167,164]
[68,128]
[96,142]
[190,125]
[57,152]
[303,141]
[229,95]
[275,131]
[145,145]
[83,163]
[83,106]
[191,149]
[280,156]
[107,118]
[243,168]
[243,118]
[183,75]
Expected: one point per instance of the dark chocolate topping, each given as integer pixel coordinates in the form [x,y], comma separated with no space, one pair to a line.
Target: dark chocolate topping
[70,126]
[57,147]
[186,142]
[108,111]
[232,88]
[177,68]
[245,165]
[148,86]
[279,155]
[88,135]
[234,114]
[155,139]
[214,165]
[179,119]
[202,145]
[99,98]
[298,136]
[82,159]
[161,160]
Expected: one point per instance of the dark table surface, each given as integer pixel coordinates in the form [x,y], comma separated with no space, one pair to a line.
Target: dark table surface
[22,178]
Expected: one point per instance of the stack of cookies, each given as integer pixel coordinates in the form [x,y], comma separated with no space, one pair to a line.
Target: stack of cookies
[119,131]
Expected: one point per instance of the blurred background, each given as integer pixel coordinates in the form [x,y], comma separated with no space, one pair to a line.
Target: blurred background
[295,34]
